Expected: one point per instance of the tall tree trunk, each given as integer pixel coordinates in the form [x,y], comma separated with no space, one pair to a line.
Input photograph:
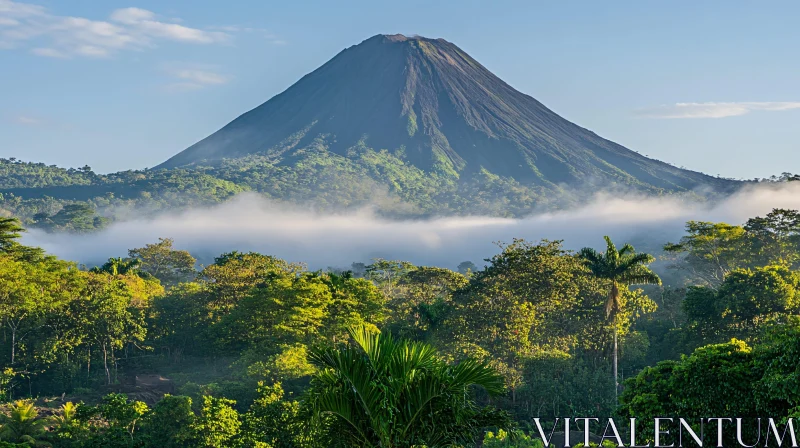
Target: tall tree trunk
[105,364]
[13,344]
[616,358]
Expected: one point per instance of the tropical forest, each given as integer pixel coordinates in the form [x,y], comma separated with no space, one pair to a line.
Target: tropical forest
[152,349]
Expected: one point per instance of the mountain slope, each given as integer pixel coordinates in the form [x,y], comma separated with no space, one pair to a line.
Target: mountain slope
[444,111]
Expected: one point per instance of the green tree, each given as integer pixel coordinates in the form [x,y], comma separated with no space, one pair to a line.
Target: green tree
[180,321]
[710,251]
[354,301]
[10,231]
[426,292]
[387,273]
[777,392]
[168,424]
[114,322]
[274,421]
[165,263]
[515,439]
[714,380]
[218,424]
[21,425]
[117,266]
[234,274]
[745,302]
[524,302]
[396,393]
[775,238]
[621,268]
[748,297]
[466,268]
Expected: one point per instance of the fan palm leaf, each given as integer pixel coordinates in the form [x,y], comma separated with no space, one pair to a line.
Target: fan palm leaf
[381,391]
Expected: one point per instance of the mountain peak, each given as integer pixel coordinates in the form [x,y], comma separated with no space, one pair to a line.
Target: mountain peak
[404,38]
[443,111]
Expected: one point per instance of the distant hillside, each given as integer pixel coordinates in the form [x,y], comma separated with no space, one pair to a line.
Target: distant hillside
[436,109]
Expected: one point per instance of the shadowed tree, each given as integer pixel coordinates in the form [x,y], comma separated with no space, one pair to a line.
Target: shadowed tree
[21,425]
[10,230]
[622,268]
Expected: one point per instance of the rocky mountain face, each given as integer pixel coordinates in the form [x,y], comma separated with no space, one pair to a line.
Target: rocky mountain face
[440,111]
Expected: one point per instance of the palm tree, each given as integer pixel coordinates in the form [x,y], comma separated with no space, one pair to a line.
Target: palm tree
[10,230]
[118,266]
[385,392]
[66,419]
[621,268]
[22,426]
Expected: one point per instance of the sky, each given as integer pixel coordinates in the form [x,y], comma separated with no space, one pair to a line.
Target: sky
[713,86]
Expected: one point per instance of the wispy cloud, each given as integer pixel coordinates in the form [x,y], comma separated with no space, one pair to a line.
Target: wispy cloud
[264,33]
[51,35]
[714,110]
[27,120]
[193,77]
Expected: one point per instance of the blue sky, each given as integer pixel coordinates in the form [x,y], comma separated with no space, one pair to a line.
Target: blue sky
[713,85]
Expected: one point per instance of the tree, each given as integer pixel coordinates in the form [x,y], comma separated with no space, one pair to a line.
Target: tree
[526,299]
[281,310]
[275,421]
[21,424]
[28,290]
[426,293]
[382,392]
[168,424]
[234,274]
[77,217]
[466,268]
[711,250]
[217,425]
[165,263]
[622,268]
[354,301]
[775,238]
[180,320]
[716,379]
[387,273]
[114,322]
[10,231]
[117,266]
[746,301]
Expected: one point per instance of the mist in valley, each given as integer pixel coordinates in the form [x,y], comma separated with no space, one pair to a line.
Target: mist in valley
[250,223]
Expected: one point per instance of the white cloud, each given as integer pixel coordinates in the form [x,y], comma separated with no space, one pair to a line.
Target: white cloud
[713,110]
[193,77]
[132,15]
[51,35]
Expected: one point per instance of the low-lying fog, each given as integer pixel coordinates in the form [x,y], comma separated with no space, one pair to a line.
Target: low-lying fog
[251,223]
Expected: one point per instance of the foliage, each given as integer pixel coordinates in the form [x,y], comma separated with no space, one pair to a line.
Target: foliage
[397,393]
[20,425]
[516,439]
[247,334]
[217,425]
[162,261]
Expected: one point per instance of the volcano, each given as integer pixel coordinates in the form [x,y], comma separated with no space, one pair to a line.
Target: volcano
[440,111]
